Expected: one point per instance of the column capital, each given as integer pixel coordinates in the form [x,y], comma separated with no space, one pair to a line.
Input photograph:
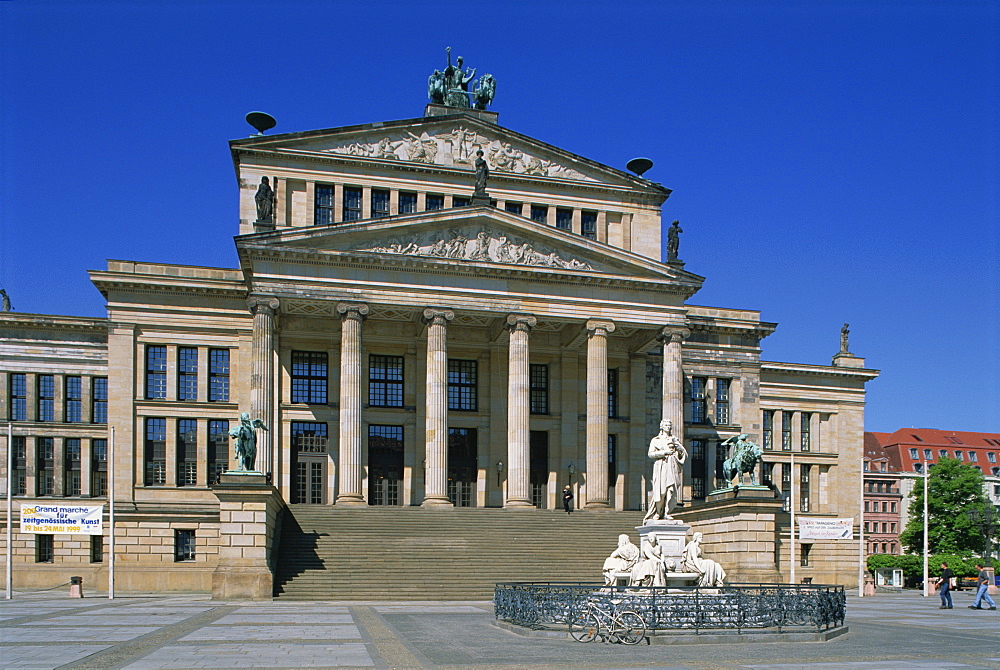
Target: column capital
[521,322]
[676,334]
[594,325]
[438,315]
[352,310]
[263,304]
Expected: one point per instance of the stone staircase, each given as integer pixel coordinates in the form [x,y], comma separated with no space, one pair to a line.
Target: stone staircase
[412,553]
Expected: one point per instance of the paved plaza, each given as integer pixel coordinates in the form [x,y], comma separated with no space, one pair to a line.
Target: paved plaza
[50,630]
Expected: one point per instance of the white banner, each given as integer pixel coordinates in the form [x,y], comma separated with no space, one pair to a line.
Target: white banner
[825,529]
[55,519]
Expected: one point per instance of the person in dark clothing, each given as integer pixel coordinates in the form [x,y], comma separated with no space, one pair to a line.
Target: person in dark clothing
[568,499]
[944,584]
[983,581]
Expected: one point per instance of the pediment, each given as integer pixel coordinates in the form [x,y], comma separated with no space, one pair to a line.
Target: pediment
[483,237]
[450,141]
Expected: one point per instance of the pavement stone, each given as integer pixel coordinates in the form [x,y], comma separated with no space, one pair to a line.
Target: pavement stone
[887,632]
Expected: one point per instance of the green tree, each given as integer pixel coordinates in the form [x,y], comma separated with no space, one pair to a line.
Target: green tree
[954,487]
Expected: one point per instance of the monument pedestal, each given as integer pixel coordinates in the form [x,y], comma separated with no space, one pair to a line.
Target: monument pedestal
[670,534]
[249,519]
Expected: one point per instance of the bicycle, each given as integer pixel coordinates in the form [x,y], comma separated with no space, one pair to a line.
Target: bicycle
[626,627]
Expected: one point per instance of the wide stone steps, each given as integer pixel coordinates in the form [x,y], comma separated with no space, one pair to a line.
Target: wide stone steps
[412,553]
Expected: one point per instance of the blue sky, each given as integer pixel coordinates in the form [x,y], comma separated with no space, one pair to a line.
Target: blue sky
[830,161]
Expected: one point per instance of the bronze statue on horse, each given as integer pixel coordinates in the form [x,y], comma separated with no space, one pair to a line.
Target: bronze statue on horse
[743,459]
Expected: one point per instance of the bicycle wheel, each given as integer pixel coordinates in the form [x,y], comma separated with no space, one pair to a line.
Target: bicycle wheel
[583,626]
[632,629]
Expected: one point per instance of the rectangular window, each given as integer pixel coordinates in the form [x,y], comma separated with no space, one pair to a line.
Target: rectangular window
[187,373]
[218,448]
[698,462]
[804,488]
[187,452]
[18,396]
[893,508]
[155,450]
[98,468]
[45,468]
[588,225]
[697,399]
[71,467]
[612,459]
[325,208]
[385,381]
[539,381]
[385,464]
[722,401]
[867,504]
[786,485]
[19,483]
[564,219]
[805,551]
[462,379]
[514,207]
[156,372]
[99,400]
[972,457]
[943,453]
[918,467]
[766,473]
[768,429]
[958,455]
[309,377]
[539,213]
[434,202]
[46,398]
[352,203]
[786,430]
[805,433]
[613,394]
[380,203]
[73,399]
[407,203]
[914,454]
[96,549]
[991,457]
[44,549]
[456,201]
[309,437]
[183,545]
[928,455]
[218,375]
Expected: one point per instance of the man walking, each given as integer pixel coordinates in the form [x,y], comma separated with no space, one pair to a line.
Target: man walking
[944,584]
[984,583]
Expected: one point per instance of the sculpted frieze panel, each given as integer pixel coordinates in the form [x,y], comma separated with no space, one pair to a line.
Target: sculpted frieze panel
[456,148]
[483,245]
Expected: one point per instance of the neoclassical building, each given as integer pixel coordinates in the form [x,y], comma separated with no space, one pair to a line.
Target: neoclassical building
[411,342]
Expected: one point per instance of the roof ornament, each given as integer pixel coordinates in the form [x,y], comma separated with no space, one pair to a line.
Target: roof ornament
[451,86]
[261,121]
[844,333]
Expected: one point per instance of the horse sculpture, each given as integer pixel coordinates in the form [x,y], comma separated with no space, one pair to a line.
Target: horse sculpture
[742,460]
[485,89]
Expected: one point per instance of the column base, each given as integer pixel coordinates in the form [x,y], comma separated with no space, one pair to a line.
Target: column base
[441,503]
[350,501]
[519,505]
[597,504]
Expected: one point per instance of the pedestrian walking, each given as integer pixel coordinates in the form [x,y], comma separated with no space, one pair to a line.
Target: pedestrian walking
[983,580]
[944,584]
[568,499]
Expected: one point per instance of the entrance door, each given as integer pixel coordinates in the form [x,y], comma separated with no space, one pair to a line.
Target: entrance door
[538,464]
[309,451]
[463,466]
[385,464]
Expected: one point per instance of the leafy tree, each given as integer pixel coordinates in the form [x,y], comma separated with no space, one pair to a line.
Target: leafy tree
[954,487]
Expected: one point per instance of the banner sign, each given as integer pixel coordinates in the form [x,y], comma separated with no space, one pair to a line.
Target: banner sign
[826,529]
[49,519]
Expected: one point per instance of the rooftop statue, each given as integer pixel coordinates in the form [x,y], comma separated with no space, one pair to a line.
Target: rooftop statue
[673,240]
[844,333]
[6,301]
[450,87]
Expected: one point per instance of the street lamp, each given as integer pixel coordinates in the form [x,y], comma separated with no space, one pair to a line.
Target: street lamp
[986,521]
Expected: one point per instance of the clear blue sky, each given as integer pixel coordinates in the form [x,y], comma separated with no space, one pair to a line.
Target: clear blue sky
[830,161]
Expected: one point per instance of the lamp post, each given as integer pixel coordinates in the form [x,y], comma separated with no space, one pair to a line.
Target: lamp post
[927,586]
[986,521]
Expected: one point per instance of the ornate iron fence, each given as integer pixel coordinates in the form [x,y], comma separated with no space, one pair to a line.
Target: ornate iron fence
[734,606]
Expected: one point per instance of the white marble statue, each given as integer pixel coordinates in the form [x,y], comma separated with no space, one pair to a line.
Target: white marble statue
[711,572]
[650,570]
[668,456]
[621,559]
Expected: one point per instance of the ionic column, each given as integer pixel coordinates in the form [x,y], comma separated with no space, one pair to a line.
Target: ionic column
[349,470]
[264,309]
[518,411]
[597,412]
[673,377]
[436,427]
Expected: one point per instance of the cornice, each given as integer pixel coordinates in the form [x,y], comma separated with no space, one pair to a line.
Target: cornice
[22,321]
[812,370]
[158,284]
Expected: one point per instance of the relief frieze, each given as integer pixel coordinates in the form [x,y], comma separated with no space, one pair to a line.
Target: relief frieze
[457,148]
[484,245]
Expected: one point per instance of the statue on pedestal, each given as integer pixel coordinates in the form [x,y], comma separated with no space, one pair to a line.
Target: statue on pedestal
[482,173]
[743,459]
[668,456]
[265,201]
[245,435]
[673,240]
